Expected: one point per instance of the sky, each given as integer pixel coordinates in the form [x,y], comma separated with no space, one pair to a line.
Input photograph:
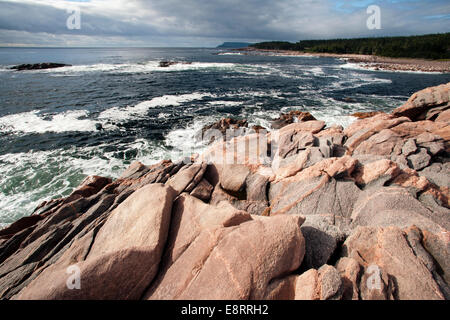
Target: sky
[208,23]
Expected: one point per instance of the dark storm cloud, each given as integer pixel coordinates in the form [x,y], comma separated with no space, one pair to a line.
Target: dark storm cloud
[207,21]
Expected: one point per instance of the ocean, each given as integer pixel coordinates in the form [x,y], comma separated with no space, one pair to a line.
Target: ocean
[50,120]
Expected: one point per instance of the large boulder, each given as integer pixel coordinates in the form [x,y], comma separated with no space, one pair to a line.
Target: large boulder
[394,206]
[324,187]
[421,103]
[387,250]
[119,260]
[218,252]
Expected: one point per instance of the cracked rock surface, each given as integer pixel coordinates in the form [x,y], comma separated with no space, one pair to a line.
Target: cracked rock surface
[304,212]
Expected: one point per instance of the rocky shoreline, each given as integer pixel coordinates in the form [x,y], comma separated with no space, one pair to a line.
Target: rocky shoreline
[369,62]
[304,212]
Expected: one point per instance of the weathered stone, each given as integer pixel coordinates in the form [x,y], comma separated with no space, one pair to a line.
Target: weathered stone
[376,173]
[432,143]
[19,225]
[437,173]
[314,191]
[378,246]
[350,272]
[291,117]
[124,257]
[307,286]
[209,253]
[135,170]
[443,116]
[409,147]
[292,142]
[203,190]
[233,176]
[322,235]
[419,103]
[330,283]
[322,284]
[438,245]
[187,178]
[419,160]
[309,126]
[313,196]
[393,206]
[376,284]
[364,129]
[382,143]
[365,115]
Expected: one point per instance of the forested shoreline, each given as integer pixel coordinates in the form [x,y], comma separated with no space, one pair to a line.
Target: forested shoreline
[434,46]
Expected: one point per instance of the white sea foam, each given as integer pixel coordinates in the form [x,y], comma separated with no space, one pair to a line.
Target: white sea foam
[332,117]
[33,122]
[137,111]
[150,66]
[27,179]
[229,54]
[225,103]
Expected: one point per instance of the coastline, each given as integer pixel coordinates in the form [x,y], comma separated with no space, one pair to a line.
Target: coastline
[368,62]
[311,211]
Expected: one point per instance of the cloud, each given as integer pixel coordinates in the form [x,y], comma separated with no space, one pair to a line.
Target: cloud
[209,22]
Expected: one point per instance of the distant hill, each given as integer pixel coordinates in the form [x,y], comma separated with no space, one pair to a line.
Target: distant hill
[433,46]
[234,45]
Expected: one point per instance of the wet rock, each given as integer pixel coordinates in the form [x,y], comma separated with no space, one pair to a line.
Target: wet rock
[39,66]
[365,115]
[166,64]
[291,117]
[18,226]
[225,124]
